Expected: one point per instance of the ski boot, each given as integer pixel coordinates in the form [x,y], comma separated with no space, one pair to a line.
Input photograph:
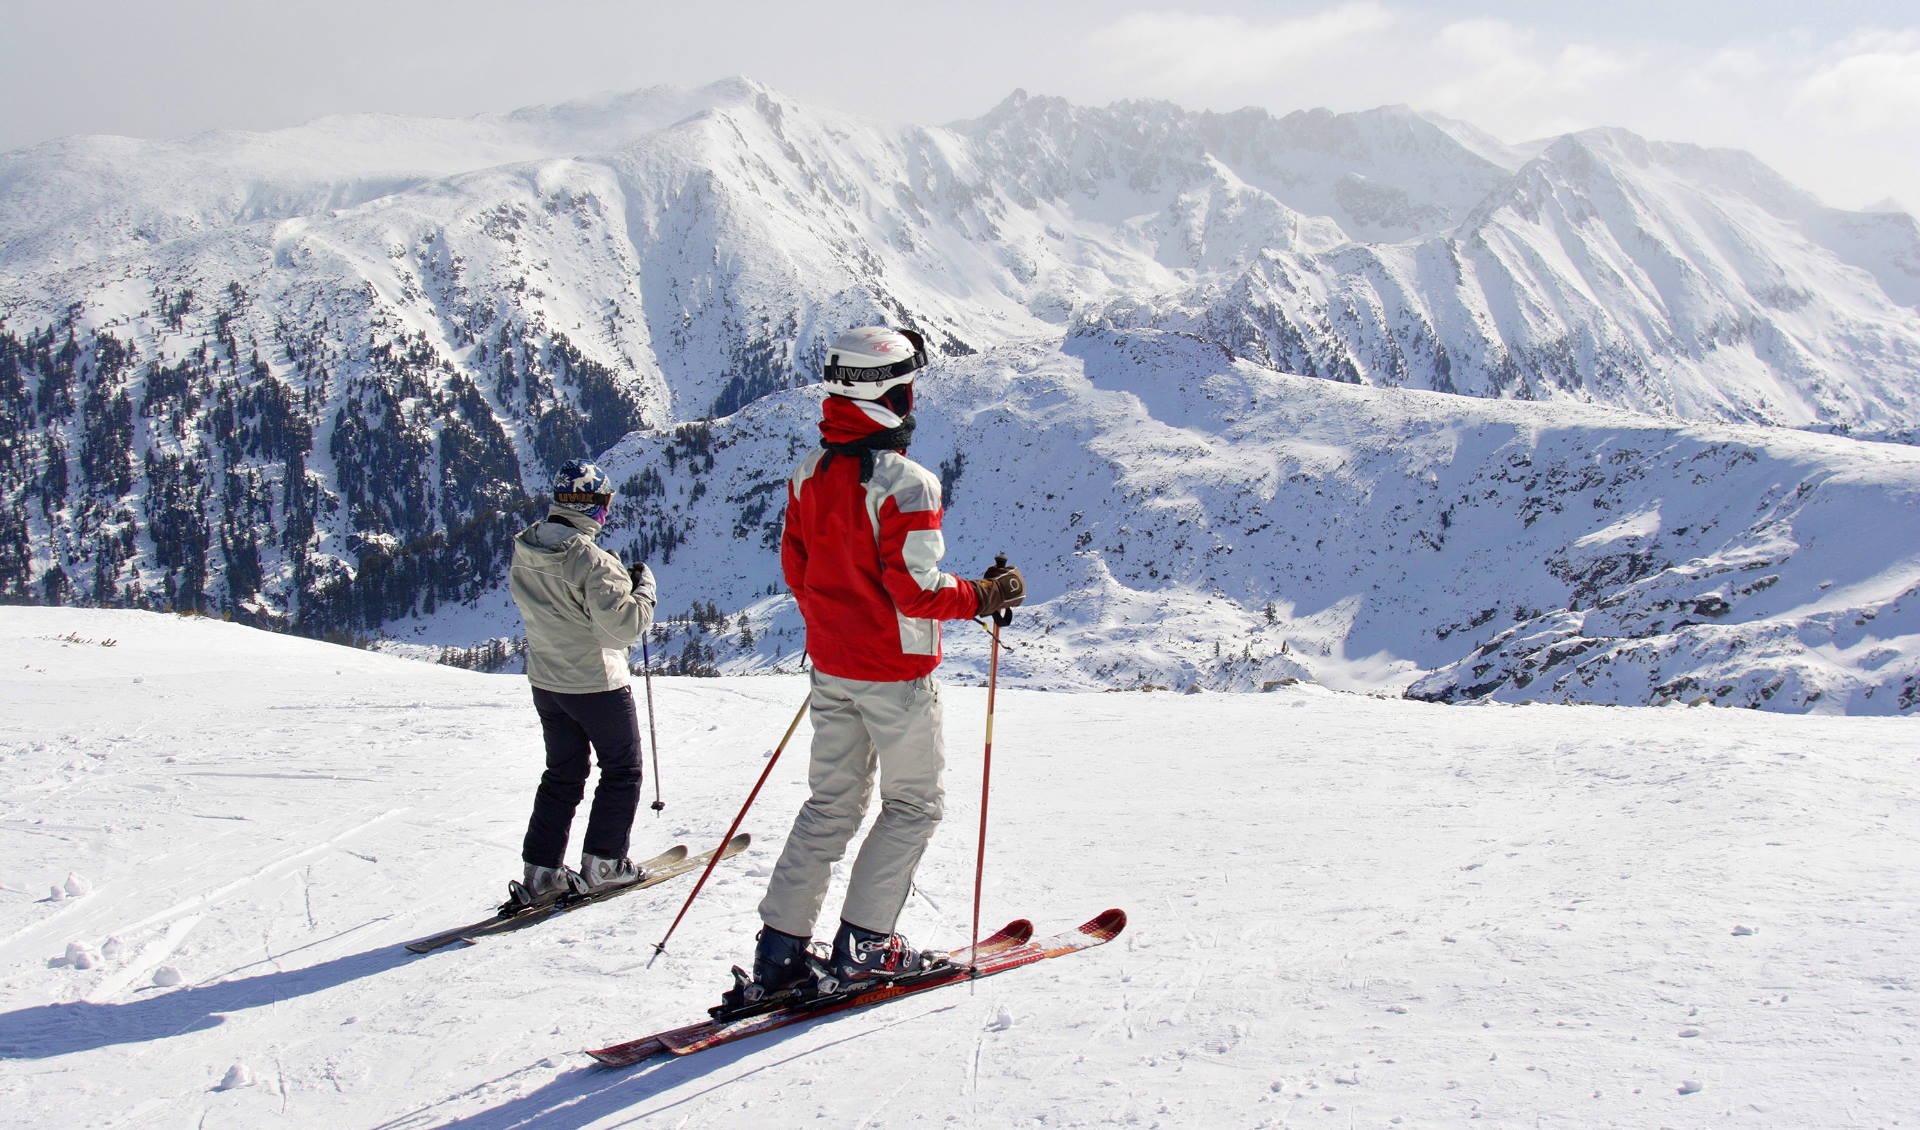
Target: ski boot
[598,873]
[863,957]
[783,971]
[538,887]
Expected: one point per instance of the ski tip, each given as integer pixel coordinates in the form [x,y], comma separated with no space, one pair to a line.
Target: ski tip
[1106,924]
[1018,932]
[667,858]
[440,942]
[738,843]
[1015,933]
[622,1055]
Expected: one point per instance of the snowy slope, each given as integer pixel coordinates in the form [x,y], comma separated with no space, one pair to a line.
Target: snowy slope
[1538,916]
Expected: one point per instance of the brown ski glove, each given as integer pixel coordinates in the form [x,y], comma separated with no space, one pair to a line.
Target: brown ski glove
[1000,588]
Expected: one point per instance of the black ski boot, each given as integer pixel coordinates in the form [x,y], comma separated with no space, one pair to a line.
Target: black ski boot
[864,957]
[782,972]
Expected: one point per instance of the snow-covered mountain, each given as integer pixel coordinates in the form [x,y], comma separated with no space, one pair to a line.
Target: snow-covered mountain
[310,377]
[1186,519]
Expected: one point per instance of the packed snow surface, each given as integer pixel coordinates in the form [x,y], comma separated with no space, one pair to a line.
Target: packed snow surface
[1345,910]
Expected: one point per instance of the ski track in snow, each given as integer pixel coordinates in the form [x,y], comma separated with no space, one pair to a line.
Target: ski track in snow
[1345,910]
[277,867]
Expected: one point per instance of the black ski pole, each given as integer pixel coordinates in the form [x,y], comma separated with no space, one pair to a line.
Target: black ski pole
[653,739]
[989,629]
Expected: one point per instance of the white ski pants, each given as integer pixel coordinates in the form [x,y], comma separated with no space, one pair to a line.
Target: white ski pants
[862,730]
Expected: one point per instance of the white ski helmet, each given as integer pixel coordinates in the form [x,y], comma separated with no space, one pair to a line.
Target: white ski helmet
[864,363]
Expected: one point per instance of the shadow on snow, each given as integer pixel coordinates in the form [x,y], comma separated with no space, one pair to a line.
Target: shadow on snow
[581,1097]
[49,1030]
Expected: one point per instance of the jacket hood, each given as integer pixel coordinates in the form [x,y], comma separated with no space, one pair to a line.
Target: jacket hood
[552,533]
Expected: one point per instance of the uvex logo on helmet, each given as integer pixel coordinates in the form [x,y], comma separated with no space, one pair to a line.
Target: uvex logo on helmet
[580,486]
[865,363]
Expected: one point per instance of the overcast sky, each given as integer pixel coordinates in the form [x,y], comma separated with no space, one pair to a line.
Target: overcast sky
[1828,91]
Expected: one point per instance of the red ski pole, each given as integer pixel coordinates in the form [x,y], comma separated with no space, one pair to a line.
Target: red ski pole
[1000,620]
[661,946]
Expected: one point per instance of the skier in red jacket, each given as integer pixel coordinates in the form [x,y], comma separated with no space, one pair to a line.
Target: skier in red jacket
[861,552]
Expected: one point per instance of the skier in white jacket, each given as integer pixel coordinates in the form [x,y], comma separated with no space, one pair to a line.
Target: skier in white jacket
[583,611]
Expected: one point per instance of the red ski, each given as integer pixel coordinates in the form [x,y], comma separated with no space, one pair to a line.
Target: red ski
[1009,948]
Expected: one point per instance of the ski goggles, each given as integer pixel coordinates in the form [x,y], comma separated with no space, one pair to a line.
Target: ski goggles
[594,504]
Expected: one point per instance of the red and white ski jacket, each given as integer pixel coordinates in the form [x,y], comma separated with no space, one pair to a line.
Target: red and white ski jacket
[863,559]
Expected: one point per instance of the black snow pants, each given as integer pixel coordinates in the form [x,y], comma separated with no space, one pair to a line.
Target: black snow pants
[573,724]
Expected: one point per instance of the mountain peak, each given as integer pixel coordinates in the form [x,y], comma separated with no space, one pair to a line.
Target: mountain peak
[738,87]
[1022,106]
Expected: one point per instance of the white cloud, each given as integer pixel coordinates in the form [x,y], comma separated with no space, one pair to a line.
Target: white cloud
[1196,52]
[1509,80]
[1868,84]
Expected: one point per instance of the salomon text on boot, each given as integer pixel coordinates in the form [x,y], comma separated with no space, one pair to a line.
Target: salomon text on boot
[868,957]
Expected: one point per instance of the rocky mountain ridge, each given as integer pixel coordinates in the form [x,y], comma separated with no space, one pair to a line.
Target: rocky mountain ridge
[311,378]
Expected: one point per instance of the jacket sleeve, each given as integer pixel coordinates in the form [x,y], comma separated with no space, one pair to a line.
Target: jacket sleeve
[911,547]
[793,555]
[620,612]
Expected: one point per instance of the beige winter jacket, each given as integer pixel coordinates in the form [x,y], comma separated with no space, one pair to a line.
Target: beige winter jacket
[583,612]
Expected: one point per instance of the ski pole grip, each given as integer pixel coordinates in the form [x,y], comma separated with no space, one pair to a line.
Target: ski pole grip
[1005,615]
